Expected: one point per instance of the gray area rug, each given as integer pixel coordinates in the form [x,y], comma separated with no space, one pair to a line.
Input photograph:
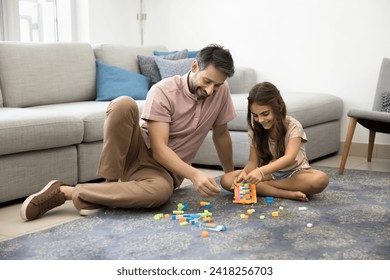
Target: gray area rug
[350,220]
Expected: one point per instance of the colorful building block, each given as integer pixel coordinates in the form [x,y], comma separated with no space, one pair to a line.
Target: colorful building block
[214,227]
[269,200]
[158,216]
[245,193]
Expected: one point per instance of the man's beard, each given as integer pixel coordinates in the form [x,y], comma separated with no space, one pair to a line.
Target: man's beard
[200,93]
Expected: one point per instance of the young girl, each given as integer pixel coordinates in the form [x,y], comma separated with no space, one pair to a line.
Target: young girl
[277,163]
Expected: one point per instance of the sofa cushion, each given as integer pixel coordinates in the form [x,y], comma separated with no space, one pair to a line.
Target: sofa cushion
[169,68]
[243,80]
[308,108]
[38,74]
[123,56]
[113,81]
[25,129]
[313,108]
[91,113]
[149,68]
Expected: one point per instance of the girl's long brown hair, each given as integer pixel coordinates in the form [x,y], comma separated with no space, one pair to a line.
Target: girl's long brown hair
[267,94]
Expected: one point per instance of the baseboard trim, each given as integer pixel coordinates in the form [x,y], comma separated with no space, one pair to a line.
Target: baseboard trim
[360,150]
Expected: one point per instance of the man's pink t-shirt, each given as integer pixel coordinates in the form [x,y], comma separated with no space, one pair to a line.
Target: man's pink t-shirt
[189,119]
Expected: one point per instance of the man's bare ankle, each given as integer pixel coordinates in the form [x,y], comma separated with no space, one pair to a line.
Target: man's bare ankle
[68,191]
[111,180]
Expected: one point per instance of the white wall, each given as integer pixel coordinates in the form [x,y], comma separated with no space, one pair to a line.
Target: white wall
[333,46]
[107,21]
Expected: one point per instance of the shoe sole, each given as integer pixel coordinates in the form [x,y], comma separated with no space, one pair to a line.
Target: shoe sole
[28,200]
[88,212]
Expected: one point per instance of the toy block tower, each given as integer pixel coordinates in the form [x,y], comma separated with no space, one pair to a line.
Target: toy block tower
[245,193]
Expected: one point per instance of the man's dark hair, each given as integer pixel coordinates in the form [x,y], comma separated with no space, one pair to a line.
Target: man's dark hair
[217,56]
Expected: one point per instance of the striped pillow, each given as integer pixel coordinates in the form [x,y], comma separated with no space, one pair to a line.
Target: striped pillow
[386,102]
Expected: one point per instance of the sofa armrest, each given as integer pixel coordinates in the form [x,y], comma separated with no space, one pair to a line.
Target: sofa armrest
[243,80]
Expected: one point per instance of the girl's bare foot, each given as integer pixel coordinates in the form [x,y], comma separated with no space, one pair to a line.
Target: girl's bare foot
[297,195]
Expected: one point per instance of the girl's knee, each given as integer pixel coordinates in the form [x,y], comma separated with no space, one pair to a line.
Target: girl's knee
[227,179]
[320,182]
[226,182]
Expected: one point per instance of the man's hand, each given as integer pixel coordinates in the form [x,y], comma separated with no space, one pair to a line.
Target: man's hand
[205,185]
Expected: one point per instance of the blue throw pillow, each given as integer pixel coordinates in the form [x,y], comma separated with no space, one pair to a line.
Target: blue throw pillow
[191,54]
[158,53]
[113,81]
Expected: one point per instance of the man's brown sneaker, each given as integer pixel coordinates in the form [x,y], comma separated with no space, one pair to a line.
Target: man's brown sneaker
[39,203]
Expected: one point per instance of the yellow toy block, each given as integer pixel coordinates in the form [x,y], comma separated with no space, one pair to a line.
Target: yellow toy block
[245,193]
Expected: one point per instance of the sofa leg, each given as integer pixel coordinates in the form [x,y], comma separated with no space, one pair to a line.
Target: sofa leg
[347,144]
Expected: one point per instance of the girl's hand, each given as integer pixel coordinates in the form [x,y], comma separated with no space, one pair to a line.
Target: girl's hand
[255,176]
[241,177]
[238,180]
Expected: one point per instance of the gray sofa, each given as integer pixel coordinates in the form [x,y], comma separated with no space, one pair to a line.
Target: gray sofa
[51,127]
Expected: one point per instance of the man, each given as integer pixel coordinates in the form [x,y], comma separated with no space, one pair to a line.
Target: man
[144,163]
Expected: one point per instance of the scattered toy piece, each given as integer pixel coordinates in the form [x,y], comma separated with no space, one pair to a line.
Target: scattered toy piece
[250,211]
[275,214]
[207,219]
[262,217]
[269,200]
[205,233]
[206,204]
[214,227]
[185,206]
[302,208]
[158,216]
[309,225]
[193,218]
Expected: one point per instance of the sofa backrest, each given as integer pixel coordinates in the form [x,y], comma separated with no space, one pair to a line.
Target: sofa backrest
[124,56]
[243,80]
[38,74]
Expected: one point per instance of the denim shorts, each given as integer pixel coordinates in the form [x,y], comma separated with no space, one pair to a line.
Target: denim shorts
[285,174]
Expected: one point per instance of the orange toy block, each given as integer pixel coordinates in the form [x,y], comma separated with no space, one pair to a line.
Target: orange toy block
[245,193]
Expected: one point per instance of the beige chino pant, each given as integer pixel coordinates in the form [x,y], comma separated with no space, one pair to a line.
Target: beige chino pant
[144,183]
